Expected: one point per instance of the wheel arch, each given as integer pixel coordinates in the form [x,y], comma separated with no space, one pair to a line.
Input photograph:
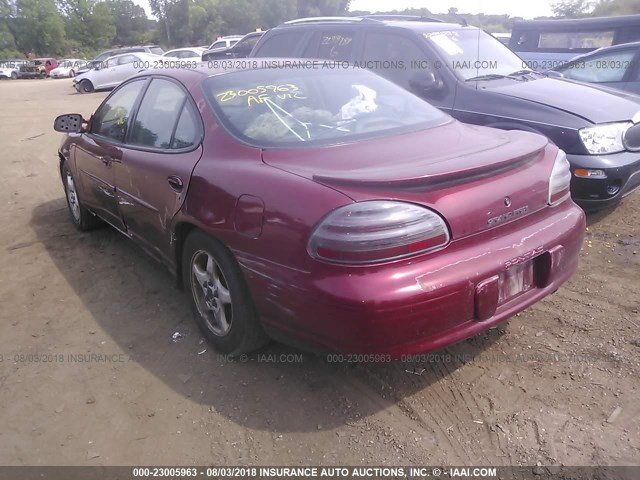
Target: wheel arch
[180,233]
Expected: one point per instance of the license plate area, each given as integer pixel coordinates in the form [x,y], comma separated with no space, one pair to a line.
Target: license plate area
[515,281]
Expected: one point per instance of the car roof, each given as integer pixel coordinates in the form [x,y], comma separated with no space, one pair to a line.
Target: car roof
[205,70]
[572,23]
[144,54]
[410,22]
[182,49]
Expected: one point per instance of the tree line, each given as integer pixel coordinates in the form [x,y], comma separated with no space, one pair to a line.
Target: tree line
[81,28]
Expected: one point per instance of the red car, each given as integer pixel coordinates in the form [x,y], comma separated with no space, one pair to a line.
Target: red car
[38,68]
[327,207]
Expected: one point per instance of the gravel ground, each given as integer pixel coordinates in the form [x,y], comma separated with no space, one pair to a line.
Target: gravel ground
[90,373]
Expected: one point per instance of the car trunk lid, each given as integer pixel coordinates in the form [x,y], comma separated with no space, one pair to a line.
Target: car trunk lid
[475,177]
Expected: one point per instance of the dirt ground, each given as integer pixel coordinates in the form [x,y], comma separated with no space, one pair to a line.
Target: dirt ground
[90,373]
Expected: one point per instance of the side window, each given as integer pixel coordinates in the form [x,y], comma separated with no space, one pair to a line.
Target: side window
[280,45]
[126,59]
[157,115]
[575,40]
[112,62]
[332,45]
[393,57]
[609,67]
[112,117]
[187,129]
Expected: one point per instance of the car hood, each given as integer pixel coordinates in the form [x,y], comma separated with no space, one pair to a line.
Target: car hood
[592,103]
[462,171]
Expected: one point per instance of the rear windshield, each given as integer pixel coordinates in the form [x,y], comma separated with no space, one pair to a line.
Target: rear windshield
[156,50]
[285,107]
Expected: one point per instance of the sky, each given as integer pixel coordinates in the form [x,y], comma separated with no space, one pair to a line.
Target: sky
[518,8]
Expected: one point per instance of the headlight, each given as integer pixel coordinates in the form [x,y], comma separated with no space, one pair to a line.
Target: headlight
[606,138]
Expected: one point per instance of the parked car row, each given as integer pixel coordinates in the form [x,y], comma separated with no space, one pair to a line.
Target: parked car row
[341,210]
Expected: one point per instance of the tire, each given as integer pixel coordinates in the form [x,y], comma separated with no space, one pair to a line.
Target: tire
[85,86]
[43,74]
[14,76]
[82,218]
[219,297]
[72,74]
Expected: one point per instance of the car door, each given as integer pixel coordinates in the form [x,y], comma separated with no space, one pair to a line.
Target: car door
[98,151]
[105,75]
[124,69]
[162,149]
[608,69]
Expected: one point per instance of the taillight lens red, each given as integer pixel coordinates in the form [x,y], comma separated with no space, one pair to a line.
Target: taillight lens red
[376,231]
[560,179]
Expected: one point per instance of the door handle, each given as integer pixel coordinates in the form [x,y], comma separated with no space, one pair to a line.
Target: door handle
[175,183]
[106,159]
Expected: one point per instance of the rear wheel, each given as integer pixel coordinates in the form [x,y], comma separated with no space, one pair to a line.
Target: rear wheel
[80,216]
[43,74]
[86,86]
[14,76]
[219,297]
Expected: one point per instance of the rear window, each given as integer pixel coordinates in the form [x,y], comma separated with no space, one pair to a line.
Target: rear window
[284,107]
[156,50]
[575,40]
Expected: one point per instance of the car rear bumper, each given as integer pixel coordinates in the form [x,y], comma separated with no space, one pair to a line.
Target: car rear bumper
[622,172]
[421,304]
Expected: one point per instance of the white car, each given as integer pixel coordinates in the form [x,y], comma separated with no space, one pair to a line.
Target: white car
[225,42]
[115,70]
[10,68]
[188,52]
[67,68]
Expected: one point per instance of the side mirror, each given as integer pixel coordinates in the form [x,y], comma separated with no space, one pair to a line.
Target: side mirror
[425,82]
[68,123]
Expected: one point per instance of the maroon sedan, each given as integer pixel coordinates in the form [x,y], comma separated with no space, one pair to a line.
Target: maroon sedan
[328,207]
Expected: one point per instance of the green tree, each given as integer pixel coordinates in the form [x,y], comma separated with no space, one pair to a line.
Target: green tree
[130,21]
[38,27]
[322,8]
[616,7]
[89,25]
[172,14]
[572,8]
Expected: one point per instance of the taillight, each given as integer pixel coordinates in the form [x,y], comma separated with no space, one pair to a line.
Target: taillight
[377,230]
[560,179]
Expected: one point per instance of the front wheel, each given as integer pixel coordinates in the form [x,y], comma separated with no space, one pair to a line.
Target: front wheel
[219,297]
[72,74]
[82,218]
[86,86]
[14,76]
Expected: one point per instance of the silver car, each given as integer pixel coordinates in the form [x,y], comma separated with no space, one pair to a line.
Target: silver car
[114,70]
